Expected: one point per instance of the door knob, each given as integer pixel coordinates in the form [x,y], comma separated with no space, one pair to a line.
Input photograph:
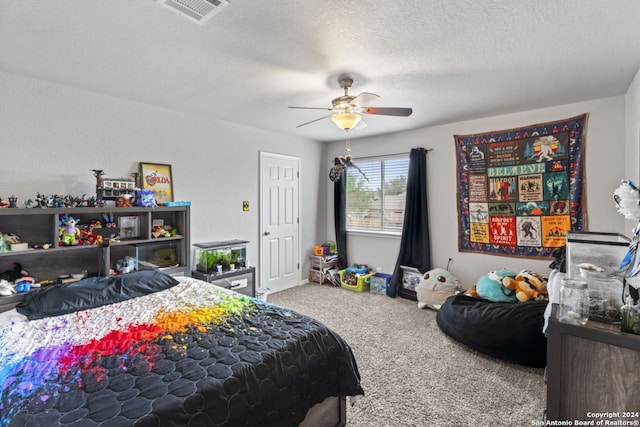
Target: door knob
[267,233]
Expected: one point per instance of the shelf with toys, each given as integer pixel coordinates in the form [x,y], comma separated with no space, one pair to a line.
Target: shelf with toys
[50,243]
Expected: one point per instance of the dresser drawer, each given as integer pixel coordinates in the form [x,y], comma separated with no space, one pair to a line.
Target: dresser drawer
[242,283]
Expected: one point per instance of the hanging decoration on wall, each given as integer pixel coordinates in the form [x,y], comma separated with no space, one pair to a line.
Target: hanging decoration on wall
[520,190]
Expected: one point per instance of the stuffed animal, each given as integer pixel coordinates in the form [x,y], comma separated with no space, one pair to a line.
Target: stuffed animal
[627,197]
[527,286]
[491,287]
[6,288]
[69,231]
[472,292]
[16,272]
[435,287]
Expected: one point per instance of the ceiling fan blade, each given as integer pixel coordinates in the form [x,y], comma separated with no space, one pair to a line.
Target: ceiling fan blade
[313,108]
[363,99]
[388,111]
[312,121]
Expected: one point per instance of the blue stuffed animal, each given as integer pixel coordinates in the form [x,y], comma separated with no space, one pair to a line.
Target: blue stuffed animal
[491,287]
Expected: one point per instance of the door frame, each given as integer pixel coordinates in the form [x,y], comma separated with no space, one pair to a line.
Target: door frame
[261,270]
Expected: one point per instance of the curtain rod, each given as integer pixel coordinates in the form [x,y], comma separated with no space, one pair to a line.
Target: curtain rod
[390,154]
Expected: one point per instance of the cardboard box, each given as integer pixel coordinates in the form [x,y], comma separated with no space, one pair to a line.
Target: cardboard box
[16,247]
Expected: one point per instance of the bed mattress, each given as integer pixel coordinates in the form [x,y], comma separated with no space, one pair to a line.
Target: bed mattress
[186,354]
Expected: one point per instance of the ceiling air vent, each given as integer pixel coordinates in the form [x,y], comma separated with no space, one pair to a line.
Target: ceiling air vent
[199,11]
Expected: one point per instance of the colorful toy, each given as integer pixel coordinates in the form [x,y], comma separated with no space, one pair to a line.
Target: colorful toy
[527,286]
[145,198]
[491,287]
[69,230]
[435,287]
[24,284]
[11,238]
[108,220]
[15,280]
[161,231]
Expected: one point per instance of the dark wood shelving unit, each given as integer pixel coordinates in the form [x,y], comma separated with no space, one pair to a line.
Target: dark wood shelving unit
[39,226]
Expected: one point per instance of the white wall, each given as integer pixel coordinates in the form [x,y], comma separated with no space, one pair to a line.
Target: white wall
[52,136]
[632,110]
[605,160]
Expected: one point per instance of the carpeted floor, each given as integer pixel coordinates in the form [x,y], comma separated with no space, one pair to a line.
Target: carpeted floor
[413,374]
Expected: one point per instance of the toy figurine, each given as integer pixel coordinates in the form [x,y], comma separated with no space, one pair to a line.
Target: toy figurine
[69,230]
[98,173]
[41,201]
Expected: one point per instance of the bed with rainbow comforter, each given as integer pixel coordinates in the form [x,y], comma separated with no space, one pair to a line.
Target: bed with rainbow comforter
[145,349]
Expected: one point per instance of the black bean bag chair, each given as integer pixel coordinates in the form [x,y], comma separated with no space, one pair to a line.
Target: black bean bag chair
[509,331]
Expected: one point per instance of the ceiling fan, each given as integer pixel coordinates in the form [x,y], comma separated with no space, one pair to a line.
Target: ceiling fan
[347,110]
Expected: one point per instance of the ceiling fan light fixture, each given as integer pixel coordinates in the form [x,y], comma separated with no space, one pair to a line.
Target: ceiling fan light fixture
[346,121]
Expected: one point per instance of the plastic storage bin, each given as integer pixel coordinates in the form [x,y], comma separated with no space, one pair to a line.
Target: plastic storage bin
[361,285]
[379,283]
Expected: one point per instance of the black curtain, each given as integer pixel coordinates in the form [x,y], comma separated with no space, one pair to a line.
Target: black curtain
[415,247]
[340,216]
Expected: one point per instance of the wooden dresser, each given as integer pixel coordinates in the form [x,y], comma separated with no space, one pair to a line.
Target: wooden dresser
[591,369]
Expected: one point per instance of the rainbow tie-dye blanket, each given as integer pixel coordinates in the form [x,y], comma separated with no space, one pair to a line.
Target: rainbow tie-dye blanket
[194,354]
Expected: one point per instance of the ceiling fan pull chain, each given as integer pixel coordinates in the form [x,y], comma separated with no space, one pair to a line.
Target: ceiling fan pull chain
[348,144]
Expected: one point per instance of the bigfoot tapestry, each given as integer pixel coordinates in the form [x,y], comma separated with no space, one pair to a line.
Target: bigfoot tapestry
[520,190]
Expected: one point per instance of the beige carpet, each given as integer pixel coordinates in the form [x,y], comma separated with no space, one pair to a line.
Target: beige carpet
[413,374]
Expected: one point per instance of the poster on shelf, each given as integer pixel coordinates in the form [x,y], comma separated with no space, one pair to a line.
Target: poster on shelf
[157,178]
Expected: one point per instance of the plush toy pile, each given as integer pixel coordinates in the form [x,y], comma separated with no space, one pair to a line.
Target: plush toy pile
[489,318]
[507,286]
[16,280]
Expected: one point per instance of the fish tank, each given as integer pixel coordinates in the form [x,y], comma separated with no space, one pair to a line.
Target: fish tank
[161,254]
[605,250]
[595,258]
[221,257]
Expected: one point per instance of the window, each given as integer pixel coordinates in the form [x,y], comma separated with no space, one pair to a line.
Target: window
[377,204]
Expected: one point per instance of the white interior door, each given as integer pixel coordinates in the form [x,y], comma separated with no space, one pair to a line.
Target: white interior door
[280,224]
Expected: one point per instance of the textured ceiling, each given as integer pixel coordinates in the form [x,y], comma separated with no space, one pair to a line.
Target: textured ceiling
[449,60]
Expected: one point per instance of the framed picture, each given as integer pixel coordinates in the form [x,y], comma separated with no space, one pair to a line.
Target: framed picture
[157,177]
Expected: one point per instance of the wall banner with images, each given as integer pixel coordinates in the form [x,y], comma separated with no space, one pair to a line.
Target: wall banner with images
[520,190]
